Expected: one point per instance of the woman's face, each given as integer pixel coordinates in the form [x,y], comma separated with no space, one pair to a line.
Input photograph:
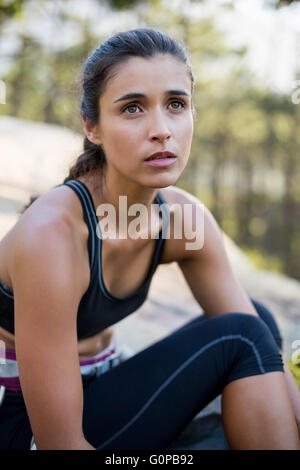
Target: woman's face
[132,129]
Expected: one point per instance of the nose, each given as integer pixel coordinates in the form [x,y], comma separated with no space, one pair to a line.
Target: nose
[159,129]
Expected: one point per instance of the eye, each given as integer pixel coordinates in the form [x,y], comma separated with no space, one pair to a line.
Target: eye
[135,105]
[180,102]
[131,105]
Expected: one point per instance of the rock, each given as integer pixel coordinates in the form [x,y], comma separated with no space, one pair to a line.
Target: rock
[35,156]
[205,431]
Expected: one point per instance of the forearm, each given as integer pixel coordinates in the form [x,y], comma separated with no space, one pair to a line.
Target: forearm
[84,445]
[79,444]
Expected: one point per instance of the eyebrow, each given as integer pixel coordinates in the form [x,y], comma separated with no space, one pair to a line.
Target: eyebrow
[129,96]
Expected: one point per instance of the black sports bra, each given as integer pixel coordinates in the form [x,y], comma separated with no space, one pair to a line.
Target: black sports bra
[98,309]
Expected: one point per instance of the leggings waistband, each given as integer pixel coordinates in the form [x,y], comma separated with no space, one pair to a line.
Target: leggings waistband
[99,363]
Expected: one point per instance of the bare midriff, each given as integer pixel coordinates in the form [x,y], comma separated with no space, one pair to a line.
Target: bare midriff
[86,347]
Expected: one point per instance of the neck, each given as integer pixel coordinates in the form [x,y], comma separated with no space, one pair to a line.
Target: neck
[120,195]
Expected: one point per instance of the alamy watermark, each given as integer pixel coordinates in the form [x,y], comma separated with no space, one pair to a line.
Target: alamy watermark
[296,354]
[296,94]
[188,222]
[2,92]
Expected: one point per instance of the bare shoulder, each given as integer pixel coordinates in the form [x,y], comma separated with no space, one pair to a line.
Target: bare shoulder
[55,215]
[207,268]
[195,223]
[58,204]
[173,195]
[178,196]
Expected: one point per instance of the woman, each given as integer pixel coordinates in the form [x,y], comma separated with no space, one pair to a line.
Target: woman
[63,287]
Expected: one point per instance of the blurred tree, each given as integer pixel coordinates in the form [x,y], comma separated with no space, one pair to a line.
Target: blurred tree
[244,161]
[10,9]
[281,3]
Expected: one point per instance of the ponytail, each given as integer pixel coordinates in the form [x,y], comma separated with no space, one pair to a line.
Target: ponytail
[93,157]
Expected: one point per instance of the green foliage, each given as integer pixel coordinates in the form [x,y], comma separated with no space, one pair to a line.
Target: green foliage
[10,8]
[123,4]
[244,162]
[283,3]
[295,369]
[263,261]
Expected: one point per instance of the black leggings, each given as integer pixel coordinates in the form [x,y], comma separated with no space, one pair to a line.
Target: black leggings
[146,401]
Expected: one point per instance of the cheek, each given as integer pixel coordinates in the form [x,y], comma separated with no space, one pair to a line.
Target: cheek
[116,140]
[123,136]
[185,132]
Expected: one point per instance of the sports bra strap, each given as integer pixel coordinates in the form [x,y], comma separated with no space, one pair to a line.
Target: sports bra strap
[89,215]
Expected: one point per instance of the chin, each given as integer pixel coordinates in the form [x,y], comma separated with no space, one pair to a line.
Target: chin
[162,180]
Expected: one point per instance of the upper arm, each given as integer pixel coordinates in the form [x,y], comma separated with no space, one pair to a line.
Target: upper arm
[47,291]
[209,274]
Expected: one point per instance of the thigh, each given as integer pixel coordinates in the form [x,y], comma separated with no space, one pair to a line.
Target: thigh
[145,402]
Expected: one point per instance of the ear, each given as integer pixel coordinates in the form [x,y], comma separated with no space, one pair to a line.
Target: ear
[91,131]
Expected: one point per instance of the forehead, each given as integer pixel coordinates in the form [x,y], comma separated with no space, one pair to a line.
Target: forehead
[148,75]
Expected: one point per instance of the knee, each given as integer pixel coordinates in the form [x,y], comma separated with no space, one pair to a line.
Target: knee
[248,345]
[249,331]
[269,320]
[241,323]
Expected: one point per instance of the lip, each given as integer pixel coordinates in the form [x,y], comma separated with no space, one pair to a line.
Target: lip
[161,162]
[166,154]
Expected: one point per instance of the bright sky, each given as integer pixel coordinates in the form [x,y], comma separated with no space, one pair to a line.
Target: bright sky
[272,36]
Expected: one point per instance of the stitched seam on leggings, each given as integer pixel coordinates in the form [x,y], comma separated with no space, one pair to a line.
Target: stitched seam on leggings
[178,370]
